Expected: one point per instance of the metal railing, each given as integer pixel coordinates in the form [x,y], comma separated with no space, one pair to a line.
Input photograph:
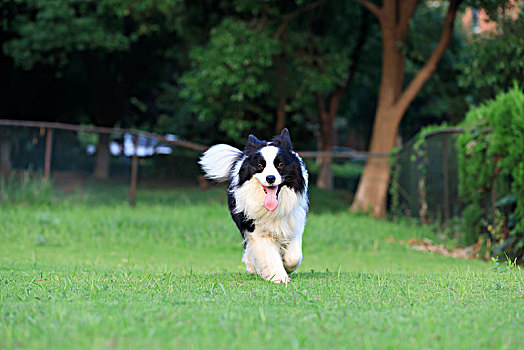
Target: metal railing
[54,150]
[424,182]
[48,129]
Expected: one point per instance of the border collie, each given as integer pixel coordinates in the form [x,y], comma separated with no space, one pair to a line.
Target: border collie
[268,199]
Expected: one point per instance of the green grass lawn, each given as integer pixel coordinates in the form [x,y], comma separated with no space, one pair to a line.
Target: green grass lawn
[90,272]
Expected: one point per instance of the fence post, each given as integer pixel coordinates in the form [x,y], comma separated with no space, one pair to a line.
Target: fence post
[134,170]
[445,169]
[5,152]
[493,197]
[48,151]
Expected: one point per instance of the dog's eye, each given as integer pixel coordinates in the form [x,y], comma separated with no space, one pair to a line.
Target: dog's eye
[260,166]
[280,165]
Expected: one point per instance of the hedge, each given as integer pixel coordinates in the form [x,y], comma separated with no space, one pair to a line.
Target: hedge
[491,172]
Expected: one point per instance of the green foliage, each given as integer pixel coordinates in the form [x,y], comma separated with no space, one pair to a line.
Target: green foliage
[256,54]
[490,154]
[229,78]
[208,71]
[61,28]
[212,71]
[107,50]
[498,266]
[320,56]
[319,48]
[440,100]
[492,61]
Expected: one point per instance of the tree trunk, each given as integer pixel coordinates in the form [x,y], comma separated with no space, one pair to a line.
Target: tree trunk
[281,115]
[101,171]
[327,136]
[282,85]
[111,85]
[372,190]
[325,174]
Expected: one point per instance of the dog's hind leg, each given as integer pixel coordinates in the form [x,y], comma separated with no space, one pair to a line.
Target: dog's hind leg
[265,257]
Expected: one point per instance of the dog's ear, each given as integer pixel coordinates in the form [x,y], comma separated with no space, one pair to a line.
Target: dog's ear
[283,140]
[253,143]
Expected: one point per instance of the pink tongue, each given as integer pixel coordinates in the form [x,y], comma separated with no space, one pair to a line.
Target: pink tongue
[270,202]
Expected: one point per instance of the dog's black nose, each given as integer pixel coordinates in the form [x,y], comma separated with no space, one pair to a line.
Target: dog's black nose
[270,179]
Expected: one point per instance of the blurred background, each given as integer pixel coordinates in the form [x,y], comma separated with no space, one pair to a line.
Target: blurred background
[129,93]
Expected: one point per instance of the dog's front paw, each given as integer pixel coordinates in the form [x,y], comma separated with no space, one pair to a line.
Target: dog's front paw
[249,267]
[279,279]
[247,262]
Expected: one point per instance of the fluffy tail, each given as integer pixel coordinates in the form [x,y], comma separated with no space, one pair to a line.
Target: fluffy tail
[218,161]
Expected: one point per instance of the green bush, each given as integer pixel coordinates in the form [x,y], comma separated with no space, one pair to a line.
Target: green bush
[491,170]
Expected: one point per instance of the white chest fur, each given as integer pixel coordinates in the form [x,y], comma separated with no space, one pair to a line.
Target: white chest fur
[284,223]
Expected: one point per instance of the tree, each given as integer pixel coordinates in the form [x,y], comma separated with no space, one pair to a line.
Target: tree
[394,18]
[228,81]
[116,45]
[493,61]
[323,49]
[311,50]
[328,111]
[244,77]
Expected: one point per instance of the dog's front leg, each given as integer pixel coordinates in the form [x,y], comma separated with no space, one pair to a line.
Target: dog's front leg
[246,259]
[265,257]
[292,256]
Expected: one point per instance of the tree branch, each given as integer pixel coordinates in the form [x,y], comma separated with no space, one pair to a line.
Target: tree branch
[377,11]
[290,16]
[335,97]
[431,64]
[357,51]
[261,23]
[407,10]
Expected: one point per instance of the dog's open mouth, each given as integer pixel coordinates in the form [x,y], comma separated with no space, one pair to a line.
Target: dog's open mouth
[271,200]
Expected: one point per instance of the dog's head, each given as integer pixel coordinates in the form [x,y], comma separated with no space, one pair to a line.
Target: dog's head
[274,165]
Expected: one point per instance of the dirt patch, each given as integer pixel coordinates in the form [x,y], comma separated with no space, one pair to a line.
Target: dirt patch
[426,245]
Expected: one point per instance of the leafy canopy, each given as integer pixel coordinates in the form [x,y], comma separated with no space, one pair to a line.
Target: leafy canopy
[229,76]
[494,60]
[50,31]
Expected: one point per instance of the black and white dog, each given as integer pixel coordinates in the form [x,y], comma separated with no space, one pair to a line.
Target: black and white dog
[268,200]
